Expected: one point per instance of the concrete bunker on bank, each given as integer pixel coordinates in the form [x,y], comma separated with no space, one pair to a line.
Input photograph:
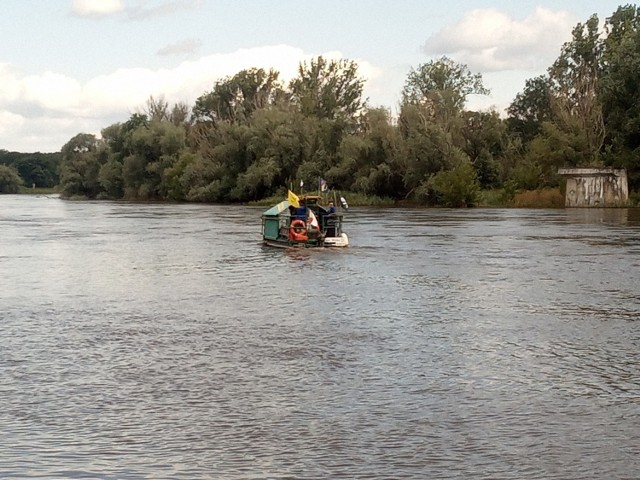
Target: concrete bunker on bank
[595,187]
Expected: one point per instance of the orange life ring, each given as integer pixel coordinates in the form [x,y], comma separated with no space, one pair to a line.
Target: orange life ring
[298,231]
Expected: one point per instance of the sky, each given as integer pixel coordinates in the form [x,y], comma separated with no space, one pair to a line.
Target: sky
[78,66]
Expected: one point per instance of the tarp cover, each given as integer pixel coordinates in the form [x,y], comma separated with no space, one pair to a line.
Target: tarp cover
[277,209]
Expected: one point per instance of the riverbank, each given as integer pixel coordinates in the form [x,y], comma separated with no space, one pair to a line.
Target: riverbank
[499,198]
[38,191]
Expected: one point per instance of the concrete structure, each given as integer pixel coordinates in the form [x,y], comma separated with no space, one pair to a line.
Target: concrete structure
[595,187]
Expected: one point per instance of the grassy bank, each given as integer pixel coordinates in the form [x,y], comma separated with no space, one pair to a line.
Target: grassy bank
[353,199]
[500,198]
[38,191]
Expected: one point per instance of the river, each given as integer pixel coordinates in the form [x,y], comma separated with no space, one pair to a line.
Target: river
[159,341]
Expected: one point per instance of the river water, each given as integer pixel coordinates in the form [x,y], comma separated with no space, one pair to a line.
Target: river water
[155,341]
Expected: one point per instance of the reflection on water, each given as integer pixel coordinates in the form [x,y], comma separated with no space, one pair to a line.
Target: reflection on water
[163,341]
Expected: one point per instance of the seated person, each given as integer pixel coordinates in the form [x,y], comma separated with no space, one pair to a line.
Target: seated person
[331,209]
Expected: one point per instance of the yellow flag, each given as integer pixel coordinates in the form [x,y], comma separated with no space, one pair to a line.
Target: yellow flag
[293,199]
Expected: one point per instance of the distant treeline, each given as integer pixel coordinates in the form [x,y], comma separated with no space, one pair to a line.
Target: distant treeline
[30,169]
[251,136]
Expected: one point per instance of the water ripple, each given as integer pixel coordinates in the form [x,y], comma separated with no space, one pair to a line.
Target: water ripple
[163,341]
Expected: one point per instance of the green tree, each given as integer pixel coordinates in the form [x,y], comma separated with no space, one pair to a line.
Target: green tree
[328,89]
[559,117]
[424,144]
[110,178]
[37,168]
[178,184]
[159,110]
[10,180]
[371,162]
[457,187]
[442,86]
[234,99]
[435,130]
[486,143]
[278,139]
[530,108]
[555,147]
[153,148]
[619,90]
[222,162]
[257,181]
[80,166]
[574,80]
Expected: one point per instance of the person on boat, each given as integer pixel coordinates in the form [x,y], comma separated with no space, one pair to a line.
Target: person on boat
[331,209]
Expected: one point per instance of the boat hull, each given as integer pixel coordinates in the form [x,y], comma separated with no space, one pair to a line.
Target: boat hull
[341,241]
[333,242]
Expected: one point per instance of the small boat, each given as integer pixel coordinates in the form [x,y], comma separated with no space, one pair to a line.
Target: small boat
[308,225]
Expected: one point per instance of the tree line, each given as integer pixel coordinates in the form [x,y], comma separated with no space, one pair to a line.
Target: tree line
[29,169]
[252,136]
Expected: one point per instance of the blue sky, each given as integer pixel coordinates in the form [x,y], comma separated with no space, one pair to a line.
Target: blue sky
[77,66]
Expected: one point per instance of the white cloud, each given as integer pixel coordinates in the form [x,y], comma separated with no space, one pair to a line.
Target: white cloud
[127,89]
[181,48]
[52,91]
[90,8]
[10,123]
[42,112]
[10,83]
[489,40]
[384,86]
[42,134]
[143,12]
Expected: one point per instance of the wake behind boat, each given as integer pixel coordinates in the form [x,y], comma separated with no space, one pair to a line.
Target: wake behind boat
[303,222]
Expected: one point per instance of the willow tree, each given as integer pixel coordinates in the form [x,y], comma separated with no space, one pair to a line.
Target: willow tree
[328,96]
[234,99]
[432,124]
[530,109]
[80,166]
[10,181]
[574,97]
[371,161]
[442,85]
[328,89]
[619,89]
[220,133]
